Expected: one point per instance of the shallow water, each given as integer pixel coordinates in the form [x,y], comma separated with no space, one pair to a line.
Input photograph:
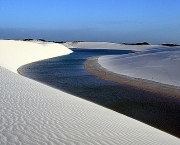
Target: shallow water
[67,73]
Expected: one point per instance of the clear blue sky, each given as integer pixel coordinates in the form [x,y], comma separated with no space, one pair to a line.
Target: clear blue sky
[155,21]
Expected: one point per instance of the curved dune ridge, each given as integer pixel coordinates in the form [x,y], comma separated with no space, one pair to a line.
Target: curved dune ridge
[17,53]
[33,113]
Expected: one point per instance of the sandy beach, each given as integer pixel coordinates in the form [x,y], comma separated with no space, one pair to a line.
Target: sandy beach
[34,113]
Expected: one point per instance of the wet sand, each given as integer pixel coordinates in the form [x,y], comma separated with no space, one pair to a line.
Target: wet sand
[93,67]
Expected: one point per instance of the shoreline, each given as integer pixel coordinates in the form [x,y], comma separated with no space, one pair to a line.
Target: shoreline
[92,66]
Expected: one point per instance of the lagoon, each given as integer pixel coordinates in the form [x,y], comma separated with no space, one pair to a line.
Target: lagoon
[67,73]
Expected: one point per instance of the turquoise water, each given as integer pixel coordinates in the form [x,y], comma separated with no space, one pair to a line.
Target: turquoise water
[67,73]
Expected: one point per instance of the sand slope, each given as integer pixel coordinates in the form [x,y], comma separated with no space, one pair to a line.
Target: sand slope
[32,113]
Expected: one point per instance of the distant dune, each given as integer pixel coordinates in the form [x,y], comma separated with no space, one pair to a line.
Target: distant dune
[107,45]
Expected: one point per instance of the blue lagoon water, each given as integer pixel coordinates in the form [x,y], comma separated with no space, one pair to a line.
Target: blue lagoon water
[67,73]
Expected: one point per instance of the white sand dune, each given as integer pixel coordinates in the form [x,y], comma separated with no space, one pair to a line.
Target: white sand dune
[107,45]
[161,64]
[33,113]
[17,53]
